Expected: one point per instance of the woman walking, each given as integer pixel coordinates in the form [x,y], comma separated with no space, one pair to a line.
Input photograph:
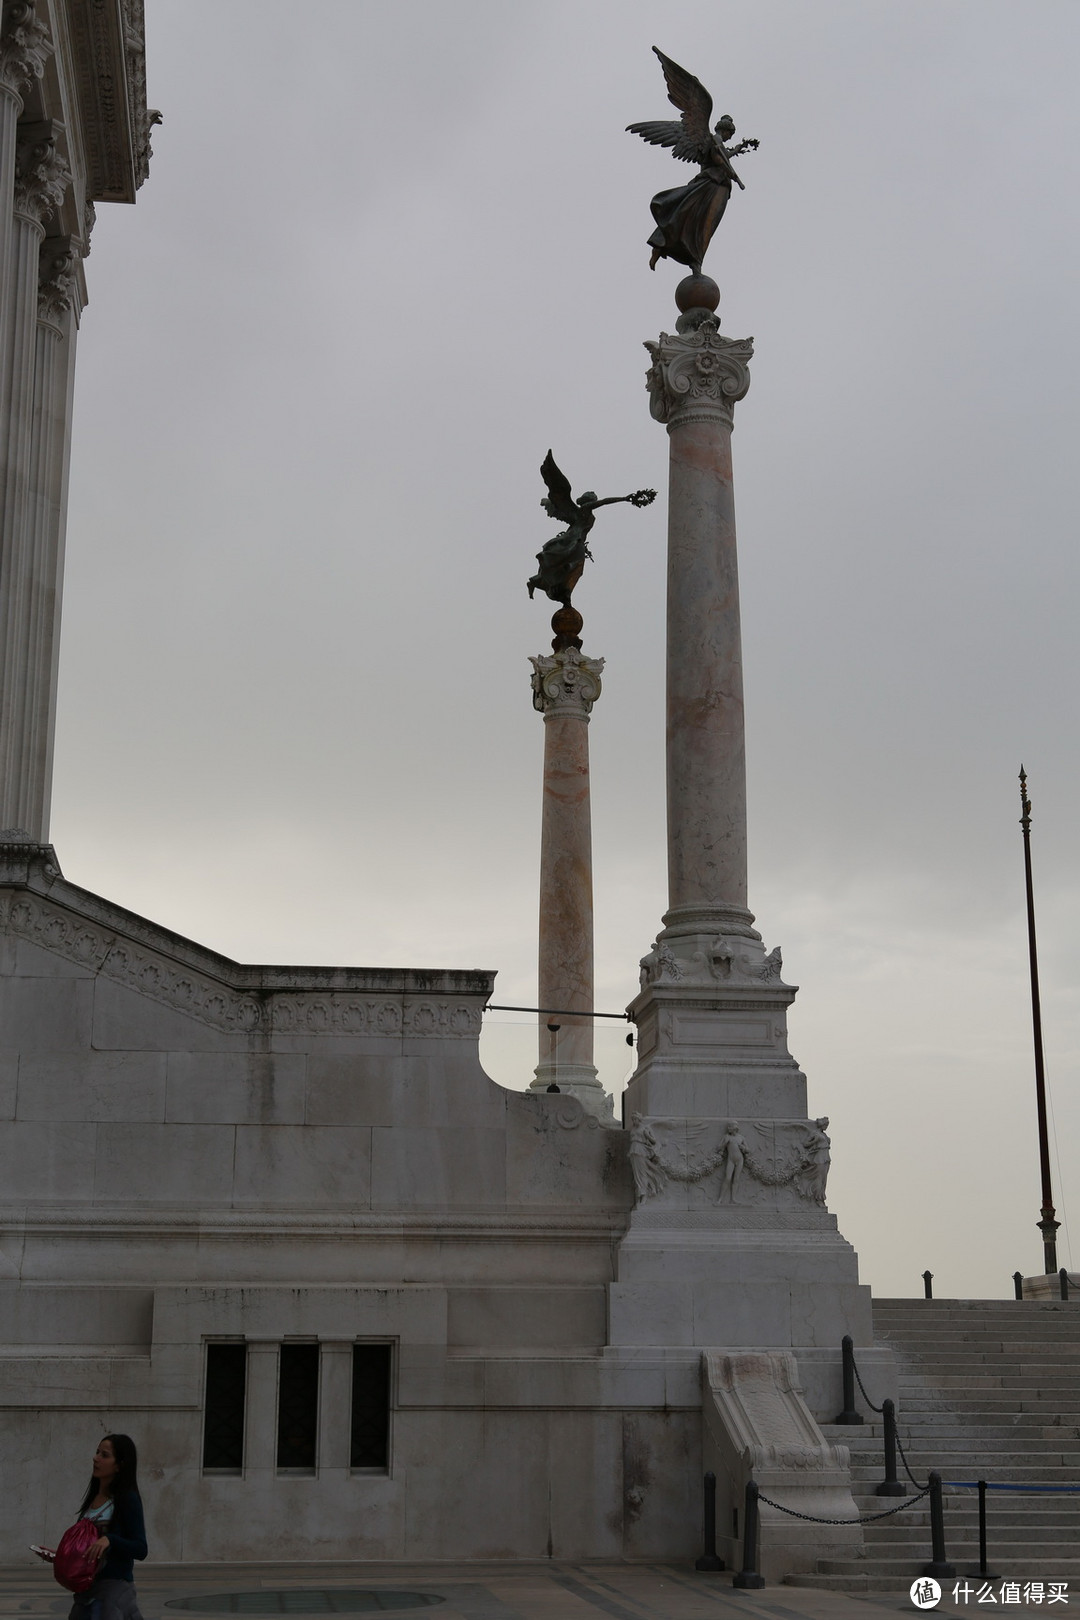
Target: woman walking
[113,1504]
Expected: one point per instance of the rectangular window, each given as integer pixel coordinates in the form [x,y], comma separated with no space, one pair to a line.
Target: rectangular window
[223,1412]
[298,1405]
[370,1441]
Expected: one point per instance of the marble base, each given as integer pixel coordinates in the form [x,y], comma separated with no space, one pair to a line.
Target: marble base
[577,1080]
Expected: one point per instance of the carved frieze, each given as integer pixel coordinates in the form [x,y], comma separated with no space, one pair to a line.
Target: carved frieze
[566,682]
[41,172]
[698,375]
[738,1163]
[25,46]
[233,1011]
[110,60]
[718,961]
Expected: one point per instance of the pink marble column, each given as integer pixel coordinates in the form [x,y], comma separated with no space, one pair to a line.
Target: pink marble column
[565,687]
[694,382]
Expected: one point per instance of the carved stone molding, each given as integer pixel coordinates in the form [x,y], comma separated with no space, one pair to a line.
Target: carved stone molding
[222,1007]
[57,265]
[698,376]
[25,46]
[719,960]
[41,173]
[363,1015]
[566,682]
[111,66]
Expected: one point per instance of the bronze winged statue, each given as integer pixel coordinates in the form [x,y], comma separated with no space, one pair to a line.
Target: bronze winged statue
[687,216]
[563,558]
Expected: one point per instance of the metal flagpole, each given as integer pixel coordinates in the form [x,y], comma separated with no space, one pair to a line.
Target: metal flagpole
[1047,1224]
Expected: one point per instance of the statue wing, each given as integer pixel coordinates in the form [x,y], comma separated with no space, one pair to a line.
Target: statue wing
[560,502]
[690,139]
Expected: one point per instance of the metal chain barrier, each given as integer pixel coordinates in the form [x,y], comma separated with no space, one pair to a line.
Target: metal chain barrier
[922,1489]
[864,1518]
[862,1386]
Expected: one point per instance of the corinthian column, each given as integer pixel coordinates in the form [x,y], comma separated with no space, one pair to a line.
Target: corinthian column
[565,687]
[24,50]
[695,379]
[41,177]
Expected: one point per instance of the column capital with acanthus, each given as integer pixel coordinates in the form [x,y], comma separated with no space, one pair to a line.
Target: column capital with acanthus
[58,262]
[25,46]
[566,682]
[697,375]
[41,172]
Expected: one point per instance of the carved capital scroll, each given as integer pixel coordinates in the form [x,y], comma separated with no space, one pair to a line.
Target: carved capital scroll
[58,261]
[25,46]
[566,682]
[697,375]
[41,173]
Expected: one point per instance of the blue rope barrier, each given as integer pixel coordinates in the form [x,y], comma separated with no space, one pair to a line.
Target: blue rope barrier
[1052,1490]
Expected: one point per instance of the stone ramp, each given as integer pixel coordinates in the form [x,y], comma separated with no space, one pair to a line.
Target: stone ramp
[988,1389]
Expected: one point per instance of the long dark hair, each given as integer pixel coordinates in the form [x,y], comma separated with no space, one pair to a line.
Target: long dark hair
[125,1479]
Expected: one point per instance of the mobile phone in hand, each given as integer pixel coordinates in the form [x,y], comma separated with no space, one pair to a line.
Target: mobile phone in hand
[43,1552]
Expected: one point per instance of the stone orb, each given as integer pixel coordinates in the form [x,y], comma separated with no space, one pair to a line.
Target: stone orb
[697,292]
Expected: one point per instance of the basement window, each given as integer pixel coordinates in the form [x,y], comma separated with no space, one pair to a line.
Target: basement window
[369,1449]
[223,1408]
[298,1407]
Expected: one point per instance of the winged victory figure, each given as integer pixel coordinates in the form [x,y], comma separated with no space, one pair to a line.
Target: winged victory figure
[687,216]
[561,561]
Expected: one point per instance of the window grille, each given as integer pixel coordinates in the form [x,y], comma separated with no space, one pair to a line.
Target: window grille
[298,1405]
[223,1413]
[370,1439]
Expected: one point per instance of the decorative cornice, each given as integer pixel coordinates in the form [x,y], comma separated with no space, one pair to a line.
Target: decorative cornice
[111,64]
[375,1014]
[698,375]
[41,173]
[566,682]
[25,46]
[57,266]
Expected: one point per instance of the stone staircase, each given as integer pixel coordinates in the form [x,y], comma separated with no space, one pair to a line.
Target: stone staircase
[988,1389]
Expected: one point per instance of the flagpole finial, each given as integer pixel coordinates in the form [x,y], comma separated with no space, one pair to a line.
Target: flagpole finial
[1025,802]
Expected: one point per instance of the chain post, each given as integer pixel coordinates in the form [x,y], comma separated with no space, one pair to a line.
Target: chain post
[1018,1284]
[748,1578]
[939,1562]
[890,1485]
[928,1284]
[1063,1281]
[708,1559]
[847,1362]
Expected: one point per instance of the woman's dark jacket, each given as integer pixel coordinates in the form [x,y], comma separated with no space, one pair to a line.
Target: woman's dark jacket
[127,1539]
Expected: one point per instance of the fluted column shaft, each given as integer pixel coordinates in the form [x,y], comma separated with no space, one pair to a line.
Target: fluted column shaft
[28,423]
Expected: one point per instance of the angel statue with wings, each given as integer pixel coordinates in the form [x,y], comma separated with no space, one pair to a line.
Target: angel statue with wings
[564,557]
[687,216]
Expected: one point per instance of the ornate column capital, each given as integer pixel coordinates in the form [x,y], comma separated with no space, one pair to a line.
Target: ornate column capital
[41,173]
[697,375]
[25,46]
[566,682]
[58,261]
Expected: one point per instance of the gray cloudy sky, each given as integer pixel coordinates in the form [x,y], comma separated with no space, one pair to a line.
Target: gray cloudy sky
[386,257]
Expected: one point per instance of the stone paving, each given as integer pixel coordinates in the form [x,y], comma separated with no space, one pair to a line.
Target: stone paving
[549,1591]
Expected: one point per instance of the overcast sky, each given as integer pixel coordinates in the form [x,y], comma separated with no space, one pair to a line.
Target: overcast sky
[387,255]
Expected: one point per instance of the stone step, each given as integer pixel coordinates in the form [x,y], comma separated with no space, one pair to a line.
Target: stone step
[1062,1568]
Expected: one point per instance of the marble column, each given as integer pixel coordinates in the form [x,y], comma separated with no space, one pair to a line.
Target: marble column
[41,177]
[730,1241]
[54,379]
[566,684]
[24,50]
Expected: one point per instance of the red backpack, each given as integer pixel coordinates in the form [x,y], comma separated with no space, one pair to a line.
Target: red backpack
[73,1566]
